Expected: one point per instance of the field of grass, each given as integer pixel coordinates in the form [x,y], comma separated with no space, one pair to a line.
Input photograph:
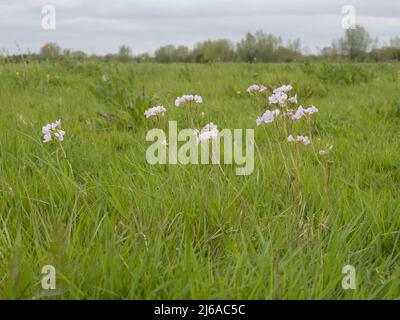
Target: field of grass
[116,227]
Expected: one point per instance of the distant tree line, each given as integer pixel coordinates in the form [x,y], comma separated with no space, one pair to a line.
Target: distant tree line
[355,45]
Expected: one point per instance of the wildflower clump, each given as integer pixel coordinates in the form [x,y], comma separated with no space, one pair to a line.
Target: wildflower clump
[256,89]
[206,136]
[191,114]
[303,139]
[289,121]
[53,131]
[188,99]
[288,112]
[208,132]
[324,152]
[155,112]
[268,116]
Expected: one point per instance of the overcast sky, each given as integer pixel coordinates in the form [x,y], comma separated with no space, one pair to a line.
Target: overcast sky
[101,26]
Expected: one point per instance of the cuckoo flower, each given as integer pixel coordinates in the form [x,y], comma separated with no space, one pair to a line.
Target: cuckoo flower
[300,112]
[53,131]
[303,139]
[209,131]
[293,100]
[255,88]
[283,89]
[268,117]
[188,99]
[278,98]
[324,152]
[155,111]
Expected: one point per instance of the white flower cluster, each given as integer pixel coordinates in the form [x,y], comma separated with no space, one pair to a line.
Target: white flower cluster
[326,151]
[256,88]
[303,139]
[52,130]
[209,131]
[280,96]
[188,99]
[268,117]
[293,100]
[283,89]
[155,111]
[300,112]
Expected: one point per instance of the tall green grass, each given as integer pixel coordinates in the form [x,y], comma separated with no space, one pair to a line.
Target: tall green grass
[119,228]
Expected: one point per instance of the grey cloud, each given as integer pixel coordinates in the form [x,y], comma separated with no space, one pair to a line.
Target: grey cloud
[101,26]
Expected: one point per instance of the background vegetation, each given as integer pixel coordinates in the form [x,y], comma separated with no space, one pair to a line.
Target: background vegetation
[355,45]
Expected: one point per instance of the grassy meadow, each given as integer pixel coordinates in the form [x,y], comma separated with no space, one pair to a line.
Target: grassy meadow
[116,227]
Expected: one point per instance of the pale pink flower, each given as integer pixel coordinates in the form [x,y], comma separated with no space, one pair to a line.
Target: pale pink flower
[278,98]
[155,111]
[268,116]
[209,131]
[283,89]
[256,88]
[53,130]
[300,112]
[326,151]
[302,139]
[293,100]
[291,138]
[311,110]
[188,99]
